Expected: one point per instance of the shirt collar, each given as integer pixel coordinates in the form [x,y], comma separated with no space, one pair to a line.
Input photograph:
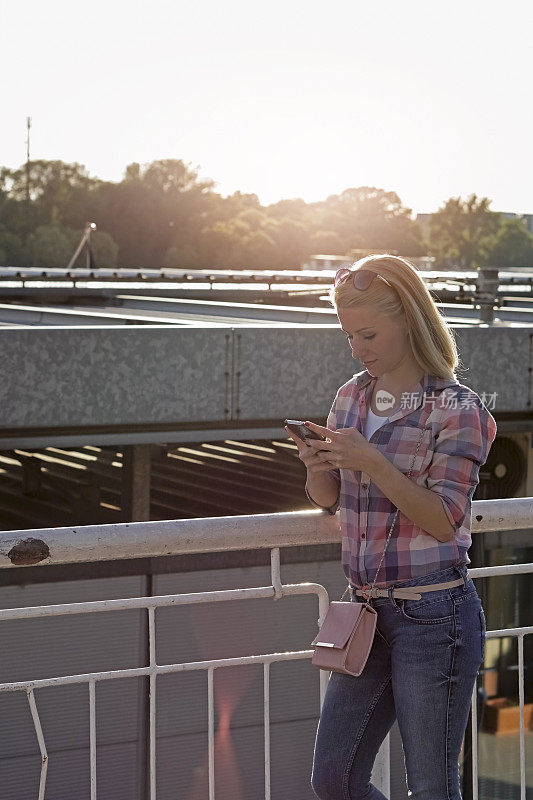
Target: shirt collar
[428,380]
[429,383]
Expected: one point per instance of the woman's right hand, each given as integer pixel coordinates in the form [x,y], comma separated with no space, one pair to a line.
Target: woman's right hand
[306,454]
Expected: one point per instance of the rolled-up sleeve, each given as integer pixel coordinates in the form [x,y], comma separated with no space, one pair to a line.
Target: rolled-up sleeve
[465,436]
[331,423]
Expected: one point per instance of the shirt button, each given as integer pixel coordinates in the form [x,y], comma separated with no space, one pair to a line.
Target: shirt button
[364,485]
[363,536]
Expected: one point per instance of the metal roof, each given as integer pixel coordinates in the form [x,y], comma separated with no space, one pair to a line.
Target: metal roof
[82,485]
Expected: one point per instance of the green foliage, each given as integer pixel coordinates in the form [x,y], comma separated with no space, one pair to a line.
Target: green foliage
[460,232]
[60,193]
[52,246]
[11,246]
[326,242]
[184,257]
[49,246]
[367,217]
[510,246]
[162,214]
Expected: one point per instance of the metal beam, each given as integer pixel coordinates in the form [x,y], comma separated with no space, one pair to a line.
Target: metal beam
[136,464]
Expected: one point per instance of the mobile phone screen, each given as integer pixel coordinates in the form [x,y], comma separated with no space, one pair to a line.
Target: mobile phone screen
[299,429]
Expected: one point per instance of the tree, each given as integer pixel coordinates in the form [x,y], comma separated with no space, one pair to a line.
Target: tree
[181,258]
[49,247]
[60,193]
[259,250]
[52,246]
[293,208]
[372,218]
[155,207]
[510,246]
[11,246]
[292,240]
[327,242]
[460,231]
[163,214]
[223,244]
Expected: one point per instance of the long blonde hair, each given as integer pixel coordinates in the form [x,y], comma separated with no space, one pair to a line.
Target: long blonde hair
[432,339]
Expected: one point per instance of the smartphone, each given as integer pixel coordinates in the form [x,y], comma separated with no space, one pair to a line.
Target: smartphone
[298,427]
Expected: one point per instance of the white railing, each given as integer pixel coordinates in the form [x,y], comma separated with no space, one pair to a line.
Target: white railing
[269,531]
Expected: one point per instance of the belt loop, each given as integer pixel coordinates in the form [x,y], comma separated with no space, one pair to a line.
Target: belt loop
[462,572]
[391,598]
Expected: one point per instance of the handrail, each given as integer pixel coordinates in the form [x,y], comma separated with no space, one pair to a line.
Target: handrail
[89,543]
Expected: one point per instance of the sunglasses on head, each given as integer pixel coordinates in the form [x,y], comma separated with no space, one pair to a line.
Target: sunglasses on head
[362,278]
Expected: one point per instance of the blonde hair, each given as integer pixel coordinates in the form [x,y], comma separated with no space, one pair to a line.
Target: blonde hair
[432,340]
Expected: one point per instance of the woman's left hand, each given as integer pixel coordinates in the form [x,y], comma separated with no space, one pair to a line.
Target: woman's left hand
[347,449]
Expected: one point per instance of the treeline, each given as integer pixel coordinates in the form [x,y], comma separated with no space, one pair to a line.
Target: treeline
[163,215]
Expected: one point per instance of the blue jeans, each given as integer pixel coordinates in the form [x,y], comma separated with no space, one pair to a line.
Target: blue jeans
[421,670]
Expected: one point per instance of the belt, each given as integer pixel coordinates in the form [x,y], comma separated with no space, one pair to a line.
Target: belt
[409,593]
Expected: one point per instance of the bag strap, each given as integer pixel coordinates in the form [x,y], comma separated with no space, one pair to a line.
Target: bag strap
[396,514]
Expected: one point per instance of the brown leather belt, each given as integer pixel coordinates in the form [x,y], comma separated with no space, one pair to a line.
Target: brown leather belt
[410,592]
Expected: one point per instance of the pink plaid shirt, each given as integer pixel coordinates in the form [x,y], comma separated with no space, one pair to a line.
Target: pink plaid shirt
[458,434]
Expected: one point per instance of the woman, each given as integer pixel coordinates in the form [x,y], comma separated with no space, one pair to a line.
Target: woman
[426,652]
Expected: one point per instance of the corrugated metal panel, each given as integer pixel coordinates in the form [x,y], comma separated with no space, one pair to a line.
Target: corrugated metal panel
[188,633]
[245,628]
[63,646]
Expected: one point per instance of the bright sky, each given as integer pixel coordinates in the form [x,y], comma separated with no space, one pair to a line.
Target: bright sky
[285,99]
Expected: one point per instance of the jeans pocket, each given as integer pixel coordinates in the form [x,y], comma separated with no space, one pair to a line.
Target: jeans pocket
[429,612]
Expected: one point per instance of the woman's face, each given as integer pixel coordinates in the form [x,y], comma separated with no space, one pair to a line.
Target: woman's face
[379,342]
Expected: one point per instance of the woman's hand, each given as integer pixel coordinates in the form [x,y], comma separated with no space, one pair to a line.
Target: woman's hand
[308,455]
[346,449]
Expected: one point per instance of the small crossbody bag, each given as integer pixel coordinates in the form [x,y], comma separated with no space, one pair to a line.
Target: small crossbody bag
[345,638]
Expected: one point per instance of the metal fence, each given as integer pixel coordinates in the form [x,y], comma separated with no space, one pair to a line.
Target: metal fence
[92,543]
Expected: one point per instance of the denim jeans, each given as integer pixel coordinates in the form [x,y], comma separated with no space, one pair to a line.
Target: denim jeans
[421,670]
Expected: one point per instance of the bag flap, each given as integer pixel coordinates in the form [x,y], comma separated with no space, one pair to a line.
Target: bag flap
[339,623]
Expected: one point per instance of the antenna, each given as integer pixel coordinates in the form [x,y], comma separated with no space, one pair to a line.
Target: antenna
[28,126]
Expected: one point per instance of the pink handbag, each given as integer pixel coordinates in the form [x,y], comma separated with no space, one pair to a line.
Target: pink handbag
[345,639]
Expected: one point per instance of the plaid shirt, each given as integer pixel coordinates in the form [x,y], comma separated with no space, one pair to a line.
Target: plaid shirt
[458,434]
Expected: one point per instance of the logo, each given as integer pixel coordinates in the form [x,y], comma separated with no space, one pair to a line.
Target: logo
[384,400]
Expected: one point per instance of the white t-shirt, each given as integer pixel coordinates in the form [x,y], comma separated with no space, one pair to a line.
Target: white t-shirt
[373,422]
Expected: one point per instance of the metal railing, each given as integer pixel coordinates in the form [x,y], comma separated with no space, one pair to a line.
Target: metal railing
[268,531]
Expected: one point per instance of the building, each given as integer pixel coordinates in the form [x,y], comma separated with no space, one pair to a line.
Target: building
[321,261]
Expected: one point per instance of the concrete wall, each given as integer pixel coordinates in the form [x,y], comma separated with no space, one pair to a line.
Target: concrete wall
[60,378]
